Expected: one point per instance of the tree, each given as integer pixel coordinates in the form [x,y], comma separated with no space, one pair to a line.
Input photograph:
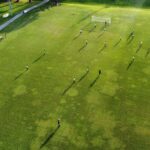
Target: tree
[19,1]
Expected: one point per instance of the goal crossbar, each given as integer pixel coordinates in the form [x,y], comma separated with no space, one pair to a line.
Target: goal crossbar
[101,19]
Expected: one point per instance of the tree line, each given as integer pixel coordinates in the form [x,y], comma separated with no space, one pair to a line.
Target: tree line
[120,2]
[14,1]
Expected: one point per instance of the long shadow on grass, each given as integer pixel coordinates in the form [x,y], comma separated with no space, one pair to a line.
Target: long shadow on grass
[92,29]
[100,35]
[102,49]
[86,26]
[77,36]
[20,75]
[117,43]
[69,87]
[95,80]
[130,64]
[84,75]
[130,40]
[40,57]
[139,48]
[82,48]
[36,60]
[147,53]
[49,137]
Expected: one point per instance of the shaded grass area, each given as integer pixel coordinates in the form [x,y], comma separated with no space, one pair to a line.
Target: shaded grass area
[111,115]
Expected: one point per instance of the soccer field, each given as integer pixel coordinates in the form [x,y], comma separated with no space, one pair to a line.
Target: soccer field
[44,77]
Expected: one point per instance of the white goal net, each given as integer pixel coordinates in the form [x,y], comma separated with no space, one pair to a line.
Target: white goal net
[101,19]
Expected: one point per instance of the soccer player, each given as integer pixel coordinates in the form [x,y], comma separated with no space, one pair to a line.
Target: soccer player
[105,45]
[131,62]
[105,24]
[104,29]
[133,58]
[140,44]
[120,39]
[99,72]
[1,38]
[86,42]
[74,80]
[132,33]
[148,52]
[81,31]
[87,70]
[58,122]
[27,67]
[44,53]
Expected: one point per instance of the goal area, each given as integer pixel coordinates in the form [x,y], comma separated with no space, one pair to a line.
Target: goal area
[101,19]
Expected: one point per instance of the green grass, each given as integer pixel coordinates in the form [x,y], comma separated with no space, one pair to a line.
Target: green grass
[112,115]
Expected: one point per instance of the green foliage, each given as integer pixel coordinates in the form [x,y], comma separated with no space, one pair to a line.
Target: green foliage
[120,2]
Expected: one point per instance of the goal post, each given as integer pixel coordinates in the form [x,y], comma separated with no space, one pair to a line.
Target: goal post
[101,19]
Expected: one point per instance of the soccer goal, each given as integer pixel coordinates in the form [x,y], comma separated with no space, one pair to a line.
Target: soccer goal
[101,19]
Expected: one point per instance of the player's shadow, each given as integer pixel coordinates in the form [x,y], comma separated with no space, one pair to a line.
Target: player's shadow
[49,137]
[117,43]
[86,26]
[83,76]
[20,75]
[129,37]
[138,49]
[68,88]
[82,48]
[94,81]
[92,29]
[147,53]
[102,49]
[130,64]
[130,40]
[100,35]
[39,58]
[76,37]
